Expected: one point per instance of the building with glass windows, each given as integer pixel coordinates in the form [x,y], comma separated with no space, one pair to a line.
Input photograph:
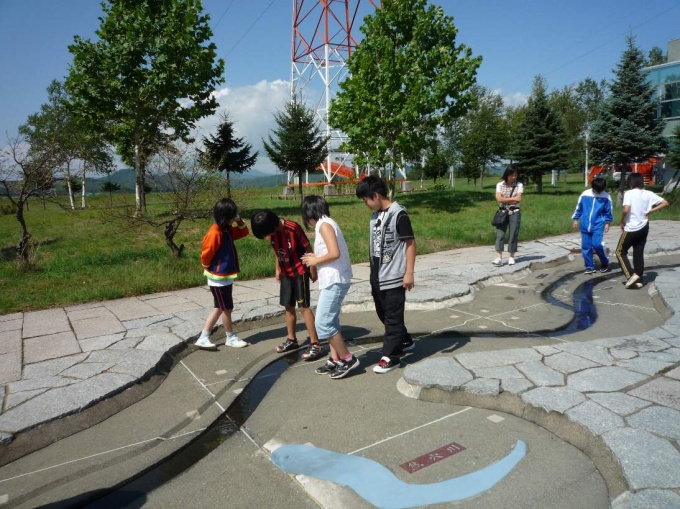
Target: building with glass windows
[665,79]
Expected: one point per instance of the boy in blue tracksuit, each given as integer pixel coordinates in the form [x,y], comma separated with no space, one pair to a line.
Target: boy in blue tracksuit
[594,214]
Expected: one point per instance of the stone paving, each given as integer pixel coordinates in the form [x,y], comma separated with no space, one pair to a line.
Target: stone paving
[60,361]
[624,390]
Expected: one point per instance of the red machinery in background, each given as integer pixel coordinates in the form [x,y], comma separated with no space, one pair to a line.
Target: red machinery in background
[645,168]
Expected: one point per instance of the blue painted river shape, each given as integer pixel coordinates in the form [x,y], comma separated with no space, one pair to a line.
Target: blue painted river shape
[379,486]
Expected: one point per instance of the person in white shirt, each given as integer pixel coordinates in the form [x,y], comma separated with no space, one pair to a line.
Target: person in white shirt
[334,269]
[638,203]
[509,196]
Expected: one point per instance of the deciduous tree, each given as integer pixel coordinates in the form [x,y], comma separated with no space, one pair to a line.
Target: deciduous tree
[26,172]
[77,148]
[186,193]
[407,77]
[147,78]
[484,137]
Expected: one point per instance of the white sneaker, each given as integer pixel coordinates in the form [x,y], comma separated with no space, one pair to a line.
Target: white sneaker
[234,341]
[511,261]
[497,262]
[204,342]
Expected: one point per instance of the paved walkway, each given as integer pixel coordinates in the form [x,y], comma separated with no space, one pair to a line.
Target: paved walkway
[57,362]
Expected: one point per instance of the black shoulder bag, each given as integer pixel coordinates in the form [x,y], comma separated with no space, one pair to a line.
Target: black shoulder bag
[501,217]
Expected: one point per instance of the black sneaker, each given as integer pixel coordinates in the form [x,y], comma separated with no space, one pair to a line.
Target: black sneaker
[342,368]
[408,346]
[327,368]
[589,271]
[288,346]
[604,268]
[386,365]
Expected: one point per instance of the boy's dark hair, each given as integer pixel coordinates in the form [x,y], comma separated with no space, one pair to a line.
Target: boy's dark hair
[264,223]
[371,185]
[509,170]
[598,184]
[636,181]
[224,212]
[314,207]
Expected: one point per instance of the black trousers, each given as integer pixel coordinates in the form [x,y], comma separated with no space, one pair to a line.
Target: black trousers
[389,304]
[637,241]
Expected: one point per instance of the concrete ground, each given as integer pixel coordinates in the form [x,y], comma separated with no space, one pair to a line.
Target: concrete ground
[177,447]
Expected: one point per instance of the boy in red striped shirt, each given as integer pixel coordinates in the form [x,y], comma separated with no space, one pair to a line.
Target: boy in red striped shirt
[290,242]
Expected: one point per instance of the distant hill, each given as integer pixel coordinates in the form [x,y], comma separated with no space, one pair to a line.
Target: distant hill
[125,178]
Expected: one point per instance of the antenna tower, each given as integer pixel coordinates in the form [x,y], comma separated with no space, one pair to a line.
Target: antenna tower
[322,43]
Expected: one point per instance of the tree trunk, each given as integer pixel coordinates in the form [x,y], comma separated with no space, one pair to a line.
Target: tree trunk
[24,245]
[299,175]
[140,196]
[70,190]
[83,195]
[539,183]
[170,231]
[228,185]
[622,183]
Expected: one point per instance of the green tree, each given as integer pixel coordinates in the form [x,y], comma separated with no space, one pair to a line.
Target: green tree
[436,162]
[25,173]
[656,57]
[147,78]
[226,152]
[541,140]
[299,145]
[406,77]
[514,117]
[673,155]
[110,187]
[484,138]
[627,130]
[590,96]
[77,147]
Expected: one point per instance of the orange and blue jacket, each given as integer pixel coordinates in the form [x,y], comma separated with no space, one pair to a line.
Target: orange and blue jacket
[218,255]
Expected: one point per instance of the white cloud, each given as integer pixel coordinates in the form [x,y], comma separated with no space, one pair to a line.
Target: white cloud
[252,110]
[515,99]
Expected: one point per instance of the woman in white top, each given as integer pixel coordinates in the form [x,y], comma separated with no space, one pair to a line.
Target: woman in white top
[509,195]
[334,269]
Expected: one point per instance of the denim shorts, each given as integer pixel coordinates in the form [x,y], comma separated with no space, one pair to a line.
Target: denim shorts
[327,319]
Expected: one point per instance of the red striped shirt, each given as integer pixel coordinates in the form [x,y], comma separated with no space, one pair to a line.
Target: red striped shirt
[289,245]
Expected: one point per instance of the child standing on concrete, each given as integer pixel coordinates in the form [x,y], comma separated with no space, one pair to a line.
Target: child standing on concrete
[638,203]
[594,215]
[290,243]
[331,258]
[392,250]
[220,264]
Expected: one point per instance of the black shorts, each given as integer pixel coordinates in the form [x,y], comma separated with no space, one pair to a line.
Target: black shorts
[295,291]
[222,297]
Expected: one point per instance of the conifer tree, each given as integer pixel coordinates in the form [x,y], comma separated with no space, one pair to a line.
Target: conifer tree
[298,144]
[540,144]
[226,152]
[627,129]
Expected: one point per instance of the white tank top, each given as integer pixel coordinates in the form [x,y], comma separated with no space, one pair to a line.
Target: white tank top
[337,271]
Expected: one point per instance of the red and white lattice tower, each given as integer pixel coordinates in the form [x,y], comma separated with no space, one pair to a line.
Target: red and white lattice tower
[323,40]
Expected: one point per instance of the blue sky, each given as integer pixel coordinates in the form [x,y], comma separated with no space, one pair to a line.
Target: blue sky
[563,41]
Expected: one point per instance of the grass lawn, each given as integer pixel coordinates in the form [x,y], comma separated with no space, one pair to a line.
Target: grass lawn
[84,256]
